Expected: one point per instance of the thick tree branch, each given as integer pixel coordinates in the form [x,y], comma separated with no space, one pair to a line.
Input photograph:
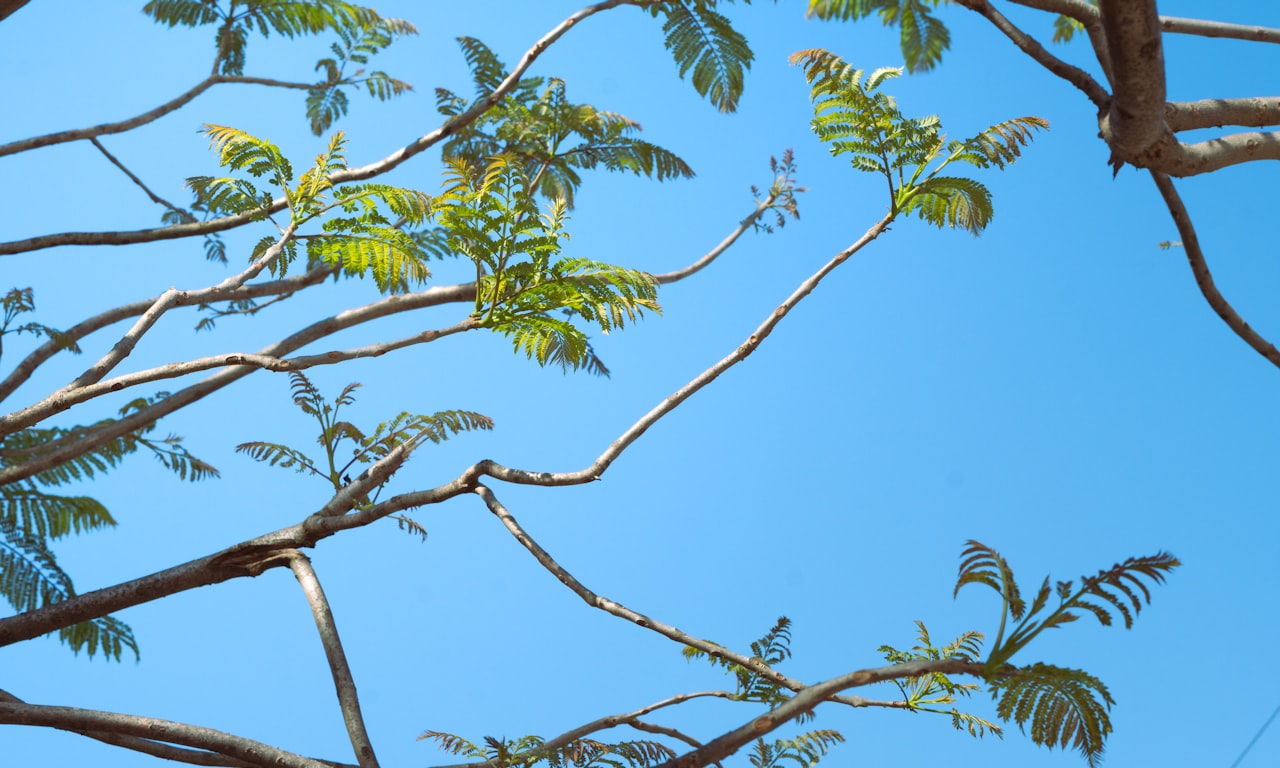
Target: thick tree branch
[450,127]
[343,682]
[1028,45]
[1214,113]
[194,736]
[1204,279]
[153,748]
[805,701]
[1219,29]
[1134,123]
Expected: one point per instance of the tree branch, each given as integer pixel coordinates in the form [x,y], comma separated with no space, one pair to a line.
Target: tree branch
[1215,113]
[450,127]
[81,720]
[1134,122]
[805,701]
[639,619]
[114,161]
[153,748]
[680,274]
[1204,279]
[344,684]
[1219,29]
[62,137]
[1028,45]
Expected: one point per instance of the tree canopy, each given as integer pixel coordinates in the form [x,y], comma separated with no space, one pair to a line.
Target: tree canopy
[450,309]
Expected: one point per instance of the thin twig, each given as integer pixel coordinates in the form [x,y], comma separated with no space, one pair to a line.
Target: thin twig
[617,609]
[344,684]
[114,161]
[714,253]
[1204,279]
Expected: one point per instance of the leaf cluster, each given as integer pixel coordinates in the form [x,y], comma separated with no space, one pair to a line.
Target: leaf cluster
[923,36]
[531,750]
[802,751]
[20,301]
[361,32]
[923,693]
[856,119]
[773,648]
[1062,705]
[360,224]
[338,436]
[31,518]
[524,288]
[704,43]
[553,138]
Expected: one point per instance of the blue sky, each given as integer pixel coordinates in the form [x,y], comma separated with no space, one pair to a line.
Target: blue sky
[1056,388]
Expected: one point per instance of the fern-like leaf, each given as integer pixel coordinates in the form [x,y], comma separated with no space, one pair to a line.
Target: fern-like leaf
[984,565]
[922,36]
[948,201]
[705,42]
[1062,706]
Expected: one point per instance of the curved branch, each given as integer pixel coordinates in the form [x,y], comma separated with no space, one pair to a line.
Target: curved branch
[1204,279]
[153,748]
[208,739]
[617,609]
[680,274]
[116,162]
[450,127]
[343,682]
[104,129]
[1028,45]
[805,701]
[744,350]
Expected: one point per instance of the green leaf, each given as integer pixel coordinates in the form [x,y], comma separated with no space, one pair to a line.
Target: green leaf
[1063,707]
[954,202]
[922,36]
[705,42]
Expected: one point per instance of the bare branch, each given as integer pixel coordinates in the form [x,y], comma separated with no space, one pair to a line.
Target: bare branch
[450,127]
[1204,279]
[114,161]
[343,682]
[1215,113]
[62,137]
[1219,29]
[744,350]
[1028,45]
[82,720]
[714,253]
[48,349]
[153,748]
[806,700]
[639,619]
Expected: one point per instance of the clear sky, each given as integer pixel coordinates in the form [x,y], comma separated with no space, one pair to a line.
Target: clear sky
[1056,388]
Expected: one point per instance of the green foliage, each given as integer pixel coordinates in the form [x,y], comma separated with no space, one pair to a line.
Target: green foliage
[365,447]
[30,518]
[924,692]
[553,138]
[856,119]
[1065,28]
[521,279]
[803,751]
[361,237]
[361,32]
[923,36]
[531,750]
[783,191]
[19,301]
[705,42]
[1061,704]
[771,649]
